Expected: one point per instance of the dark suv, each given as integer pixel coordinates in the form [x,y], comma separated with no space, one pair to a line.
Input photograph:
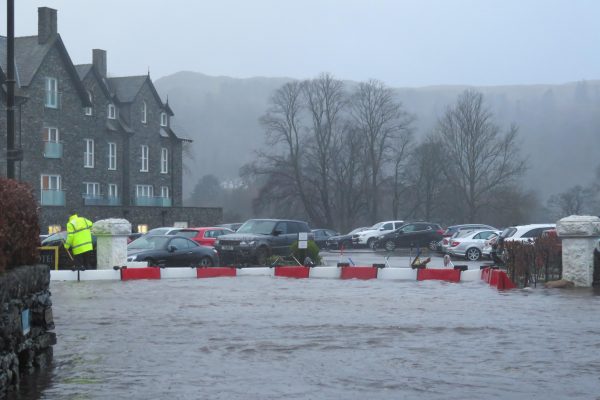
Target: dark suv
[257,239]
[414,234]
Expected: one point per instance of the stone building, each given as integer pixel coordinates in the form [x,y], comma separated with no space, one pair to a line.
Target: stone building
[102,146]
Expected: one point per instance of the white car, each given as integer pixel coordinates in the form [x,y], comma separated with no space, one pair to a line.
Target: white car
[470,244]
[368,237]
[522,233]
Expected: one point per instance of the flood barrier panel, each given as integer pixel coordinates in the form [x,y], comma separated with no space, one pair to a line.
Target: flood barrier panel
[448,275]
[359,273]
[128,274]
[216,272]
[298,272]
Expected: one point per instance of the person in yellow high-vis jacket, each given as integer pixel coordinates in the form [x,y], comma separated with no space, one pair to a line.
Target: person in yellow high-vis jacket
[79,240]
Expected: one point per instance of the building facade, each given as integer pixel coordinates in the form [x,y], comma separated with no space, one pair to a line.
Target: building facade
[98,145]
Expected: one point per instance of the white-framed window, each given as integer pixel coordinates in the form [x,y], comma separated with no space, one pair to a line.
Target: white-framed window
[142,228]
[53,229]
[164,160]
[91,189]
[112,111]
[113,190]
[50,134]
[51,92]
[164,191]
[144,158]
[112,156]
[88,110]
[144,191]
[144,112]
[88,154]
[163,119]
[51,182]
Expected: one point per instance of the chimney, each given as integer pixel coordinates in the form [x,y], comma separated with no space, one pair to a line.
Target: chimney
[99,61]
[46,24]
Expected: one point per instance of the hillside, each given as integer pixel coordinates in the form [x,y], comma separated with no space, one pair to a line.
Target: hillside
[559,124]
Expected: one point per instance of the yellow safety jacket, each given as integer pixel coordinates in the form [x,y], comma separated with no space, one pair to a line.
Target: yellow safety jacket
[79,236]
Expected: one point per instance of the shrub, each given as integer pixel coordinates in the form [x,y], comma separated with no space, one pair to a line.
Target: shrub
[529,263]
[312,251]
[19,228]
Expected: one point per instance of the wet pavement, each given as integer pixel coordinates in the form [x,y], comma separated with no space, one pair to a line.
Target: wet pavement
[273,338]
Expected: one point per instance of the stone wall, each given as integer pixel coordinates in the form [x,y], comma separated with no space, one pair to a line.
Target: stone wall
[25,344]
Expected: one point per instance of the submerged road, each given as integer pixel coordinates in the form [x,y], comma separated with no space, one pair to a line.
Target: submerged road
[274,338]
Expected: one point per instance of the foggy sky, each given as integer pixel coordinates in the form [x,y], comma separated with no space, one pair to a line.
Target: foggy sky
[403,43]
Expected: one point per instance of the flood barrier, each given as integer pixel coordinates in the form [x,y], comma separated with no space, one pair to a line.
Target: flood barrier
[491,275]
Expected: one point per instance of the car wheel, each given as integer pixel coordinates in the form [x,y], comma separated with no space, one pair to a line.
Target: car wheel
[371,243]
[433,245]
[390,245]
[261,256]
[473,254]
[206,262]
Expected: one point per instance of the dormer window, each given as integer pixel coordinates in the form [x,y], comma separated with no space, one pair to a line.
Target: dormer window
[163,119]
[144,112]
[112,111]
[88,110]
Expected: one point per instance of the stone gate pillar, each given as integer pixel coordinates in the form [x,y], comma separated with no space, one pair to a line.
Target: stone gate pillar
[111,245]
[579,234]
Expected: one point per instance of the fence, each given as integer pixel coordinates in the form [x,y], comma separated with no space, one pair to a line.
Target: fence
[528,263]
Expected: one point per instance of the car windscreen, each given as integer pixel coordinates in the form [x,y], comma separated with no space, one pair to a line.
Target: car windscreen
[508,232]
[376,226]
[55,237]
[259,227]
[148,243]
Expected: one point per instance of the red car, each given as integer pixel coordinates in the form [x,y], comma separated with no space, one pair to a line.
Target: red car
[204,236]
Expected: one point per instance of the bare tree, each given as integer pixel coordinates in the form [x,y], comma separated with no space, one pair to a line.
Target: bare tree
[380,119]
[399,159]
[325,100]
[284,129]
[478,156]
[576,200]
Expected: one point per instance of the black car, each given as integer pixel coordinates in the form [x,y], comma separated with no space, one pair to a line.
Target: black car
[414,234]
[171,251]
[321,236]
[343,241]
[258,239]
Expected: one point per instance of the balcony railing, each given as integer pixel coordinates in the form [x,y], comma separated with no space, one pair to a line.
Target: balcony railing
[53,198]
[153,201]
[53,150]
[100,200]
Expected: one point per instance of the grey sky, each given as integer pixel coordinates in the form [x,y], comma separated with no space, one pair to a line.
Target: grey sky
[403,43]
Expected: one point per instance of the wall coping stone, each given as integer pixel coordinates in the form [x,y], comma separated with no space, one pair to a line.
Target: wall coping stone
[578,226]
[112,227]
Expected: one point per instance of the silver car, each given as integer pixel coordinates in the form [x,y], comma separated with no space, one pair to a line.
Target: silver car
[470,244]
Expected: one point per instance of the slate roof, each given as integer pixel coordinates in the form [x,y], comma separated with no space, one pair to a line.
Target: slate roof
[127,87]
[83,70]
[29,55]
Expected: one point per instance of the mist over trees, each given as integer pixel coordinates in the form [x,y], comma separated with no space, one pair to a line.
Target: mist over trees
[558,130]
[342,157]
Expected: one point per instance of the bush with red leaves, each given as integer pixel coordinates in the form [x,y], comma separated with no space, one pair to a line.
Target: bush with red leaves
[19,227]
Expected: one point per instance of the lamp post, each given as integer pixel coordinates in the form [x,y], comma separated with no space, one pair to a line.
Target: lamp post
[12,154]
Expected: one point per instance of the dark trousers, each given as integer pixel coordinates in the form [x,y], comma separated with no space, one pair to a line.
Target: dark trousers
[83,260]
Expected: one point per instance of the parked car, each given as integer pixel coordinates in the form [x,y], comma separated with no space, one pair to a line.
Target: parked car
[523,233]
[171,251]
[165,230]
[369,236]
[257,239]
[234,226]
[345,241]
[320,236]
[206,236]
[452,230]
[470,245]
[414,234]
[133,236]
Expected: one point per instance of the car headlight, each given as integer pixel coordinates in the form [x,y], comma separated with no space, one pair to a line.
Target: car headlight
[247,243]
[132,258]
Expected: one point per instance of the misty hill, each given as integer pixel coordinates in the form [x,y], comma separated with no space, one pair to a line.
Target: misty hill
[559,124]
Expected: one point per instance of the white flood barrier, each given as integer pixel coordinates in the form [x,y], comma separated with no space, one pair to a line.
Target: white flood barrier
[325,272]
[404,274]
[169,273]
[63,275]
[470,275]
[100,275]
[258,271]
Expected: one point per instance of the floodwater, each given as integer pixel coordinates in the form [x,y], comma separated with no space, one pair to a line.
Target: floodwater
[274,338]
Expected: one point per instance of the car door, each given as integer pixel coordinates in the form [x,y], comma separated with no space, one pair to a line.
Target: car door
[481,237]
[405,235]
[181,256]
[282,240]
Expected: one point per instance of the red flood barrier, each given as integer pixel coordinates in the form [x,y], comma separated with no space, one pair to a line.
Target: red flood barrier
[358,272]
[129,274]
[497,278]
[448,275]
[215,272]
[292,271]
